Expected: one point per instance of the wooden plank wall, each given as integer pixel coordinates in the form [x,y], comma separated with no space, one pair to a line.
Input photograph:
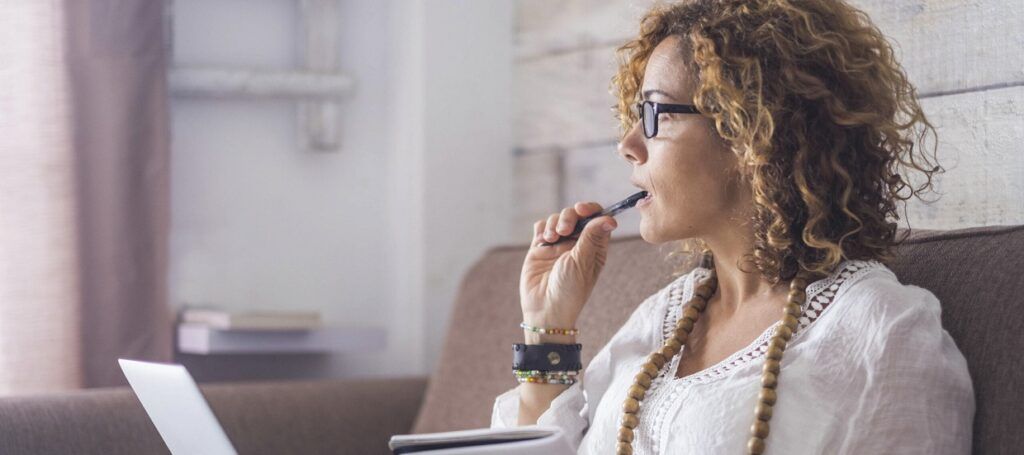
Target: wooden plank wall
[966,59]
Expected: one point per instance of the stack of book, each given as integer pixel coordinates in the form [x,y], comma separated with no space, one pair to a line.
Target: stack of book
[205,330]
[222,319]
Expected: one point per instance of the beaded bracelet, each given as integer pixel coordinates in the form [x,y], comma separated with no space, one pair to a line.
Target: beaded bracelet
[549,377]
[545,373]
[548,381]
[542,330]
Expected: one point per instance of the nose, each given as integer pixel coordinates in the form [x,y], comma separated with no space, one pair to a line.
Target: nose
[632,147]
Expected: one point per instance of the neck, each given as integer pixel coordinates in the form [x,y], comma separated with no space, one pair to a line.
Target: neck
[740,284]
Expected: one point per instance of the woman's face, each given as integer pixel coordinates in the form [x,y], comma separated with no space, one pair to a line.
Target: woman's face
[687,167]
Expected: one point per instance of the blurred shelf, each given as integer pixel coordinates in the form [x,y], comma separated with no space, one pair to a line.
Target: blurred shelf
[204,340]
[229,83]
[318,84]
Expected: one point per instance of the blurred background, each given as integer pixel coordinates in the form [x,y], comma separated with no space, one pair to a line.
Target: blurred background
[318,175]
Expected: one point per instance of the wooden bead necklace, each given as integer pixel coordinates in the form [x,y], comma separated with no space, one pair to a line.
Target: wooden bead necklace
[674,344]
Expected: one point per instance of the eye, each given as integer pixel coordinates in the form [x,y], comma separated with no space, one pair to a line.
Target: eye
[650,120]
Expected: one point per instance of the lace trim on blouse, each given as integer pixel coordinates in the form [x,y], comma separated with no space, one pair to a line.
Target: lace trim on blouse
[820,294]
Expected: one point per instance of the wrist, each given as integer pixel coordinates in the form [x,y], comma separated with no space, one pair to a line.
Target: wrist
[548,320]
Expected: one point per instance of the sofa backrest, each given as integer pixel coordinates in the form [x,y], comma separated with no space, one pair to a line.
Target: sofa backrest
[975,273]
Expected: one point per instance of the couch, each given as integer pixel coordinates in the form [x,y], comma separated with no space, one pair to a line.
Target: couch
[976,273]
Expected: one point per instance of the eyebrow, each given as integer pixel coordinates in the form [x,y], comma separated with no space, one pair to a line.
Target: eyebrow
[647,94]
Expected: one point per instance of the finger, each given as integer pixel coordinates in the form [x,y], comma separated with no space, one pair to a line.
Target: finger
[594,238]
[585,209]
[538,229]
[549,228]
[567,221]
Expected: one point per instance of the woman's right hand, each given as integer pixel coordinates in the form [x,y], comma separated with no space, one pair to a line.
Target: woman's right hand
[556,280]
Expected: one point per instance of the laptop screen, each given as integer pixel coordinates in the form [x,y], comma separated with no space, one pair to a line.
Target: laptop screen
[177,408]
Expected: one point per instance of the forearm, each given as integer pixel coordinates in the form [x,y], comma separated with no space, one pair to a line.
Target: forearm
[535,398]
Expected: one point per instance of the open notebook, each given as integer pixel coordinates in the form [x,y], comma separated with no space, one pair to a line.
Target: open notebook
[525,440]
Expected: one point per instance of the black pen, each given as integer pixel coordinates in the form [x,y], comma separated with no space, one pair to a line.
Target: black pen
[613,210]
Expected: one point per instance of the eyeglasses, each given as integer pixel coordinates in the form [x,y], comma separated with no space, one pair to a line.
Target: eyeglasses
[648,112]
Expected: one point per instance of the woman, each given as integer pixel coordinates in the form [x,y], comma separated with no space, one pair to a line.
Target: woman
[767,134]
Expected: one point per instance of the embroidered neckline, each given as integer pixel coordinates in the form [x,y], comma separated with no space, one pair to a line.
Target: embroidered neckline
[660,399]
[820,295]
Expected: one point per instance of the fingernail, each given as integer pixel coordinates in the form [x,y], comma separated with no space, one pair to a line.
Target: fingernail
[607,227]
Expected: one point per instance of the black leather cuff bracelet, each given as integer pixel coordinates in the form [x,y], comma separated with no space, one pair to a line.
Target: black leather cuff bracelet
[546,357]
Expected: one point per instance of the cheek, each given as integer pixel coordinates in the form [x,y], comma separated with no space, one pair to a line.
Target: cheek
[677,173]
[690,183]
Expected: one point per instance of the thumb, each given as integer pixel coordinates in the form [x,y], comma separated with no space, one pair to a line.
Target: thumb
[594,238]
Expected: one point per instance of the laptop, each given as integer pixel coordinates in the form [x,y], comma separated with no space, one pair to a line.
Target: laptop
[177,408]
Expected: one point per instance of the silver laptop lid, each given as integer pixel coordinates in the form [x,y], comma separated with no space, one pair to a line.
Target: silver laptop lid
[177,408]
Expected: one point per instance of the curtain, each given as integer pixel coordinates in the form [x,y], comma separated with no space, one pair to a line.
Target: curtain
[84,181]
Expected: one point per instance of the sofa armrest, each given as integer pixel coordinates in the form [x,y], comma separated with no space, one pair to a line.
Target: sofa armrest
[309,417]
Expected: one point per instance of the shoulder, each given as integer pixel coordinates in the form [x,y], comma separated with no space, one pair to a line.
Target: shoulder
[890,336]
[877,306]
[879,293]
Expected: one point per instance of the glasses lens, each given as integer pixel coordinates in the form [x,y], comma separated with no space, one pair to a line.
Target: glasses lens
[649,118]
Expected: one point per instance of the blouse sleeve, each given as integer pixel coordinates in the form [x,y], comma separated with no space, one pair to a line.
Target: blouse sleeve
[917,396]
[572,410]
[568,411]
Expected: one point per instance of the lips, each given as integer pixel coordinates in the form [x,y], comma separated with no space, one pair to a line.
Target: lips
[647,200]
[649,193]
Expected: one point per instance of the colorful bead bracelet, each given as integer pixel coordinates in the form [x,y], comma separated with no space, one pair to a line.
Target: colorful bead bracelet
[548,381]
[550,373]
[549,377]
[542,330]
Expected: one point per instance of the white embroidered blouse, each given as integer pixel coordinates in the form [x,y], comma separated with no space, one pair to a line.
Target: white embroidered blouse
[869,370]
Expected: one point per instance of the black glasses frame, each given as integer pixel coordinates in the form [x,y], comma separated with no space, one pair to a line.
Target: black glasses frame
[648,112]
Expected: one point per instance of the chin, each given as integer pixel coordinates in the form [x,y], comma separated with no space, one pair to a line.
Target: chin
[658,235]
[649,234]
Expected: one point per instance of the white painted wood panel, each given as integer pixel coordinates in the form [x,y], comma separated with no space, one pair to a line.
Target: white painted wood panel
[536,189]
[564,100]
[954,45]
[981,144]
[544,27]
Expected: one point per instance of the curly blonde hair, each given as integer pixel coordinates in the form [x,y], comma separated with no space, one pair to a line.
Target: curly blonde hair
[810,98]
